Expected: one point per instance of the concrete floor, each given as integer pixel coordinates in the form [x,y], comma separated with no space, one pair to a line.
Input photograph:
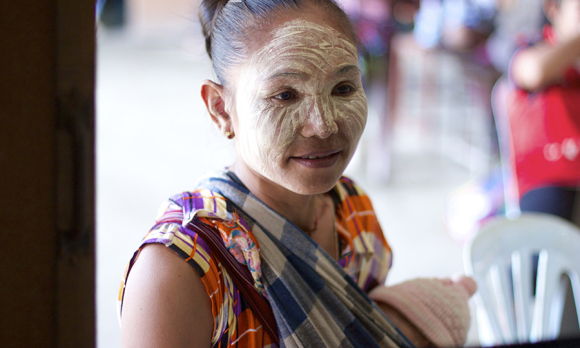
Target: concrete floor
[154,139]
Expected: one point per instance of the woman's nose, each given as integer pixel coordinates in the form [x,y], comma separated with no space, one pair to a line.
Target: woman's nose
[318,119]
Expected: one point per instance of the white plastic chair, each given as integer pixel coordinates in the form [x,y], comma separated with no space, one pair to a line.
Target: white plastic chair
[500,259]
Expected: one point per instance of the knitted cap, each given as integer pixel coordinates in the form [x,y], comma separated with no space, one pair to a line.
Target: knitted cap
[437,307]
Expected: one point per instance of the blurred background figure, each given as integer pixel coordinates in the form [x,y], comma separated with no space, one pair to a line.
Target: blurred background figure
[537,48]
[111,12]
[376,23]
[456,78]
[544,114]
[458,25]
[517,23]
[454,33]
[480,38]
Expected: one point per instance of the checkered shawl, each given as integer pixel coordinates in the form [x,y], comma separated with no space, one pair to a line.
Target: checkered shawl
[316,304]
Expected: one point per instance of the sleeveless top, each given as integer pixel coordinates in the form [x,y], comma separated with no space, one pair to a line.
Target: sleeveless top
[365,256]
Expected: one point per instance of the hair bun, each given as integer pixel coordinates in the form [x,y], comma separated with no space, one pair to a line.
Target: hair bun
[209,11]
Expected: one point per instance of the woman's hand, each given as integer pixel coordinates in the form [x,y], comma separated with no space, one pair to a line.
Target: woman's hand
[430,312]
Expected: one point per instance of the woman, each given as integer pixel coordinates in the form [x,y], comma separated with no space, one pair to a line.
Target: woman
[290,96]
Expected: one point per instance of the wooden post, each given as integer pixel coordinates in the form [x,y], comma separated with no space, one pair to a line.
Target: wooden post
[47,174]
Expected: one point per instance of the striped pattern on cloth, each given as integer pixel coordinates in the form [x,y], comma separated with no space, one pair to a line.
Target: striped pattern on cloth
[317,301]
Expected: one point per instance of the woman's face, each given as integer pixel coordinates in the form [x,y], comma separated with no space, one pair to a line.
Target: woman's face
[299,108]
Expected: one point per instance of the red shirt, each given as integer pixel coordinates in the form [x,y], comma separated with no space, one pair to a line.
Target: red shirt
[545,133]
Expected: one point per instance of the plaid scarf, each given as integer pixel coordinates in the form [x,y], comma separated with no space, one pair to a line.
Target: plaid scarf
[316,304]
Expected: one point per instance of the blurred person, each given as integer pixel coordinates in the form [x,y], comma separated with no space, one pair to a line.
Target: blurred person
[457,30]
[544,118]
[544,114]
[374,26]
[517,22]
[376,22]
[458,25]
[279,249]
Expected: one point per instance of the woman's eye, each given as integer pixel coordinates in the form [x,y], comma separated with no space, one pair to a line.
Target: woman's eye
[343,89]
[285,95]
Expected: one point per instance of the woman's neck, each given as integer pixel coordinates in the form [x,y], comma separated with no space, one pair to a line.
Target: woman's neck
[300,209]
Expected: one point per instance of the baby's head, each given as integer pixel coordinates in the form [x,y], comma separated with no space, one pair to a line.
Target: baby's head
[564,16]
[289,88]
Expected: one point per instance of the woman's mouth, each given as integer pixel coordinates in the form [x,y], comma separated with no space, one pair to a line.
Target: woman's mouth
[317,160]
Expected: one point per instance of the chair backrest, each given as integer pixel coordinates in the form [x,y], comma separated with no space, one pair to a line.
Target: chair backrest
[501,259]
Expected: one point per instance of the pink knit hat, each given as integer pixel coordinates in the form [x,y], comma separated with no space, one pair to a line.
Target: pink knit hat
[437,307]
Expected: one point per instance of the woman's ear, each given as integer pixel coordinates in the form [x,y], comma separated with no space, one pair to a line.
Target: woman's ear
[213,97]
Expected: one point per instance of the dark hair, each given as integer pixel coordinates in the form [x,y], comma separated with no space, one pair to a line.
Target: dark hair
[226,25]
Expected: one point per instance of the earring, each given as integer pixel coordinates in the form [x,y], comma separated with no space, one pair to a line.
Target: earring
[229,135]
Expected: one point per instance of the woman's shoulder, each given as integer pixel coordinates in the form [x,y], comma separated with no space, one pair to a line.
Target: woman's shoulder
[347,187]
[366,256]
[171,230]
[168,231]
[163,287]
[349,196]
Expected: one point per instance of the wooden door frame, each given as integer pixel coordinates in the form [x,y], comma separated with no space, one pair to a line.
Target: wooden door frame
[47,180]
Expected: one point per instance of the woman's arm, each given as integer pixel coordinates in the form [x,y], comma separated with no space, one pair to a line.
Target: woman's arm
[165,303]
[538,66]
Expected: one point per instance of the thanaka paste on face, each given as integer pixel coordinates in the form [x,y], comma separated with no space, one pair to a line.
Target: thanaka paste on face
[307,56]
